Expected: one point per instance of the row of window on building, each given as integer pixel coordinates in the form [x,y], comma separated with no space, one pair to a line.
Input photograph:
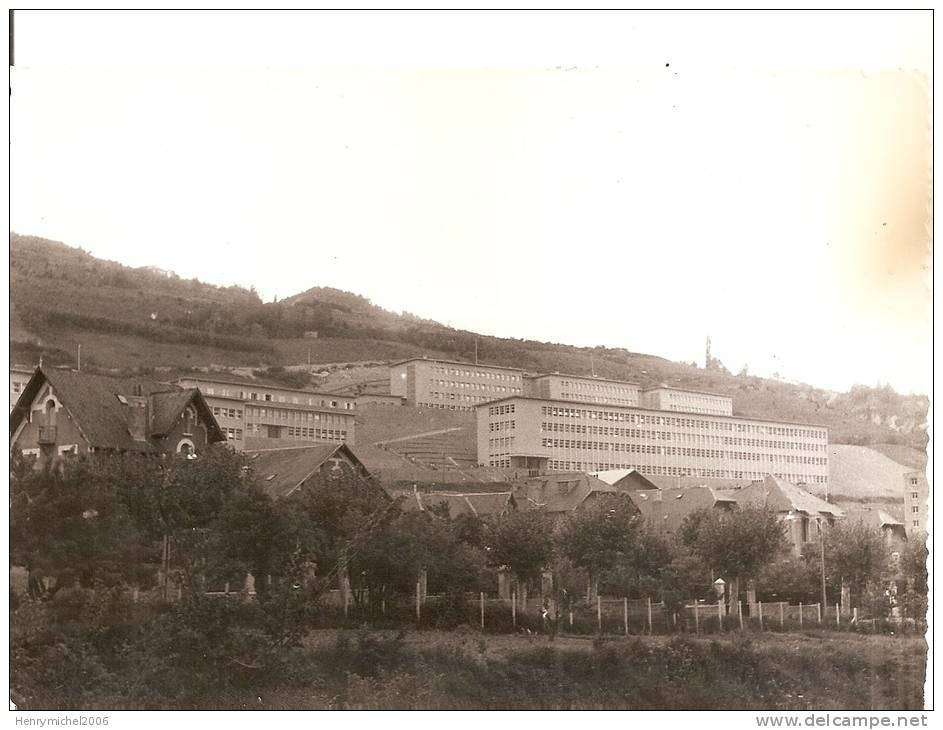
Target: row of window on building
[501,410]
[287,415]
[680,422]
[446,406]
[600,399]
[484,374]
[275,398]
[474,386]
[502,442]
[463,397]
[599,387]
[302,432]
[641,433]
[680,451]
[502,425]
[227,412]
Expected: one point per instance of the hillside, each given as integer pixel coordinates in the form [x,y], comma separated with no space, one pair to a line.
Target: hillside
[127,318]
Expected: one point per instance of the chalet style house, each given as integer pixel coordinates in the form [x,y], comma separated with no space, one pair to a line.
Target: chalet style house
[70,412]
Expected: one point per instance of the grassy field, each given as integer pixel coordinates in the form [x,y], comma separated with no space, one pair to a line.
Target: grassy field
[466,670]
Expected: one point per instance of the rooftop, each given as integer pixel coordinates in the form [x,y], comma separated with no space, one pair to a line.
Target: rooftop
[455,362]
[684,390]
[233,379]
[591,378]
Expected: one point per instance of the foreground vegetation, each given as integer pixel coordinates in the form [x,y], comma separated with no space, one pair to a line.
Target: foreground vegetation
[94,629]
[96,652]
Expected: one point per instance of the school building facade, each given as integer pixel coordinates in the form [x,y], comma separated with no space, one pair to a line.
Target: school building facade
[249,410]
[560,435]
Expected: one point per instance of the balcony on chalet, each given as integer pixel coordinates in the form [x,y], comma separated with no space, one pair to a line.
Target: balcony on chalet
[47,435]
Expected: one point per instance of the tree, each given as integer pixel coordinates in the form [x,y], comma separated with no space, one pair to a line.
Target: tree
[600,538]
[855,554]
[70,524]
[735,544]
[523,543]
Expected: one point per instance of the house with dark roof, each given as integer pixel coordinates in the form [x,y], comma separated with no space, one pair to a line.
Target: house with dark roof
[560,492]
[664,510]
[803,513]
[627,480]
[893,530]
[475,504]
[284,471]
[68,411]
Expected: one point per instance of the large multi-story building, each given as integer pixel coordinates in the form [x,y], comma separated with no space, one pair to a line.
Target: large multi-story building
[247,410]
[463,386]
[916,502]
[581,388]
[682,400]
[563,435]
[455,386]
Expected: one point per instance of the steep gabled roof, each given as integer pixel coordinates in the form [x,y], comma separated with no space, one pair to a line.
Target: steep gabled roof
[479,504]
[282,471]
[559,491]
[782,496]
[626,479]
[166,408]
[99,407]
[666,509]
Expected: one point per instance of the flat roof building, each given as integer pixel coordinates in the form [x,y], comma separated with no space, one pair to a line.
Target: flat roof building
[916,502]
[559,435]
[582,388]
[452,385]
[682,400]
[462,386]
[249,410]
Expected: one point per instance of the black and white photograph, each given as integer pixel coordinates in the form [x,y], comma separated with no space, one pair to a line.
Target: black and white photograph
[471,360]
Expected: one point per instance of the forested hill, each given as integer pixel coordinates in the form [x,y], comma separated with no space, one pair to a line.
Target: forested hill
[127,318]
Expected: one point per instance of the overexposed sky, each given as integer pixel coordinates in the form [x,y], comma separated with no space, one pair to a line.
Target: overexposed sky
[634,180]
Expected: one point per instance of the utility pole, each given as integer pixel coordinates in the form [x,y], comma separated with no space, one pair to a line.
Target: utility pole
[822,535]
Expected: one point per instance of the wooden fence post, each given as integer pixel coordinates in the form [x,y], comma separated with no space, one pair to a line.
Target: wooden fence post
[514,608]
[599,613]
[837,617]
[481,600]
[134,595]
[625,615]
[782,619]
[854,615]
[740,613]
[818,608]
[179,592]
[571,619]
[720,613]
[800,615]
[418,602]
[697,620]
[651,630]
[760,605]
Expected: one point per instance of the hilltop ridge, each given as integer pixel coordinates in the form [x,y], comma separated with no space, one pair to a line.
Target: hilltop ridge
[138,319]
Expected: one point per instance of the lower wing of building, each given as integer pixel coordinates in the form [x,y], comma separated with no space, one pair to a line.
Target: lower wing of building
[556,435]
